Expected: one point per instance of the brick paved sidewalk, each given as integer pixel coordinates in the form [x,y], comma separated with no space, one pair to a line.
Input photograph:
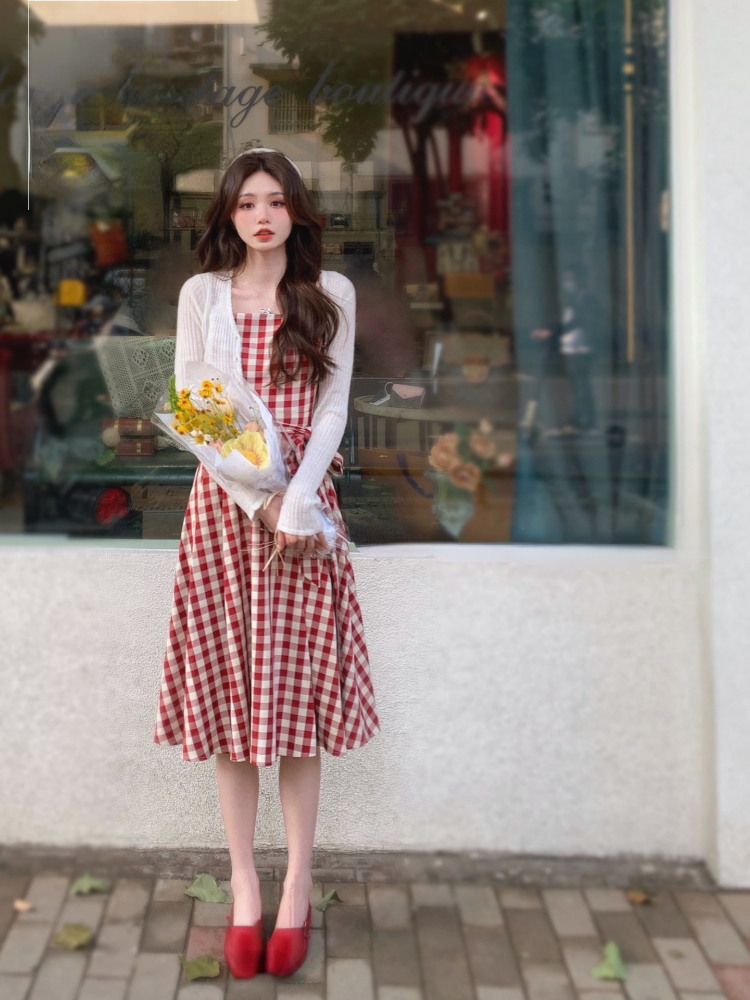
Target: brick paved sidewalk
[419,927]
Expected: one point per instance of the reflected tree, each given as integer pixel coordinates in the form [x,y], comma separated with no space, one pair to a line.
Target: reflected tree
[163,125]
[326,42]
[13,17]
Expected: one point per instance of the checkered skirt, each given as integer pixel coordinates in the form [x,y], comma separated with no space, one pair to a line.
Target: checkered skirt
[262,663]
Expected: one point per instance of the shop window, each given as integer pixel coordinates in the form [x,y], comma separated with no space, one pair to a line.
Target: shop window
[493,182]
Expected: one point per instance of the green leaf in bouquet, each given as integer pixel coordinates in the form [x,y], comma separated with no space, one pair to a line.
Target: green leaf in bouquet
[611,966]
[203,967]
[173,393]
[207,890]
[322,903]
[72,936]
[89,883]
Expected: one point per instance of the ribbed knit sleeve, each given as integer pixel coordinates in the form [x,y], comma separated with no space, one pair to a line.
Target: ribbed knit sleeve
[190,337]
[190,346]
[299,514]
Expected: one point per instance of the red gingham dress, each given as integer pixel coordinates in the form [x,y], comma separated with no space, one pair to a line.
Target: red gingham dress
[263,663]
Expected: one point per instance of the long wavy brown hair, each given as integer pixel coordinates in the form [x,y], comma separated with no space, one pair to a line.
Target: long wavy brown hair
[310,317]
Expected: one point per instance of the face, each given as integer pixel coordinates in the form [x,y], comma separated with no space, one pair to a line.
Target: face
[261,207]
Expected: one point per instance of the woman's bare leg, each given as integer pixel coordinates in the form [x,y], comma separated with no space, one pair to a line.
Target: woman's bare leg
[237,782]
[299,790]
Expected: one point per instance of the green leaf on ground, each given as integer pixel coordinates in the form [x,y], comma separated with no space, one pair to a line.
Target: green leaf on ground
[207,890]
[203,967]
[74,936]
[89,883]
[322,903]
[611,966]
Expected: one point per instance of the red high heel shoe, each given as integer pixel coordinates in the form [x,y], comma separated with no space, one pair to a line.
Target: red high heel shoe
[243,948]
[286,948]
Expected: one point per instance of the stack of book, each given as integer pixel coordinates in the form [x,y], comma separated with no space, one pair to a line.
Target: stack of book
[128,436]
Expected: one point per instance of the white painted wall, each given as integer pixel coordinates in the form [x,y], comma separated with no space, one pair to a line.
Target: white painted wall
[558,700]
[723,162]
[523,708]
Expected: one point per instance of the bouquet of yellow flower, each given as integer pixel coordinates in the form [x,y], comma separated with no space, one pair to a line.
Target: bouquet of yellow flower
[237,427]
[228,427]
[213,422]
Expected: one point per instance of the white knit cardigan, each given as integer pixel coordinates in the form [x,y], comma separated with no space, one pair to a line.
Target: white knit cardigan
[207,331]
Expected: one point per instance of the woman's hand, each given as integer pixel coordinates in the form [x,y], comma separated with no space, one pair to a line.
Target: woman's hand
[270,516]
[305,544]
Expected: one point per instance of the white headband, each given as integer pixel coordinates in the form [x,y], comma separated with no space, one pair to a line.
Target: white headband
[267,149]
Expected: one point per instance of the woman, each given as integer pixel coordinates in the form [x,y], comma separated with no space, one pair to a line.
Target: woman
[268,661]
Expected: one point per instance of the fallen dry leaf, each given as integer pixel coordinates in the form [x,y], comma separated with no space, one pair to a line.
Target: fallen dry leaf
[322,903]
[611,966]
[207,890]
[74,936]
[203,967]
[89,883]
[639,897]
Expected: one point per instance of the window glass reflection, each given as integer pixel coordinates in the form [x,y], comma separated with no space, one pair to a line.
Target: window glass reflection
[494,180]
